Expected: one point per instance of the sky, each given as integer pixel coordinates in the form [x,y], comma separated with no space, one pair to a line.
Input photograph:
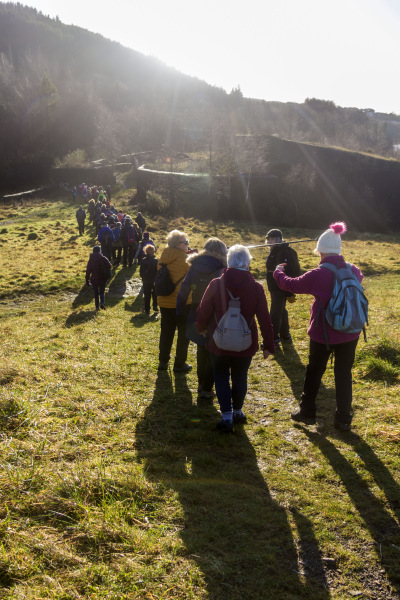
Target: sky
[284,50]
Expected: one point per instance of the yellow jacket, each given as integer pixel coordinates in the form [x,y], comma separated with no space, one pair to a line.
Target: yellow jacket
[175,259]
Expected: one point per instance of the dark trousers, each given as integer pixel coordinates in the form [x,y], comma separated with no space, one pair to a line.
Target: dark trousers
[234,368]
[317,361]
[169,324]
[149,294]
[81,227]
[128,254]
[279,314]
[98,291]
[205,373]
[106,250]
[116,254]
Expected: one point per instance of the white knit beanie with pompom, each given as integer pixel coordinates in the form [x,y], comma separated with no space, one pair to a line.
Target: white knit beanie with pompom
[330,241]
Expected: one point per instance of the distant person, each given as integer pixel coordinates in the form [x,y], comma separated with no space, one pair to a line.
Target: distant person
[98,272]
[116,249]
[129,241]
[230,368]
[319,283]
[141,221]
[148,270]
[81,217]
[280,252]
[105,238]
[142,244]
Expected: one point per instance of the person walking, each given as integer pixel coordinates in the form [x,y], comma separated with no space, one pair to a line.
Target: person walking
[80,217]
[323,338]
[174,257]
[205,266]
[148,270]
[280,252]
[105,238]
[98,272]
[228,365]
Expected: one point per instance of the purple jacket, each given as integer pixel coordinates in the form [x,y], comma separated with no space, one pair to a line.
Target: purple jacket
[318,282]
[253,302]
[93,268]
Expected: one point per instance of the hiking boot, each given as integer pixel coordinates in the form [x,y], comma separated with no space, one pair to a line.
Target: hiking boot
[183,369]
[342,426]
[239,419]
[103,307]
[287,339]
[300,418]
[277,342]
[225,426]
[162,366]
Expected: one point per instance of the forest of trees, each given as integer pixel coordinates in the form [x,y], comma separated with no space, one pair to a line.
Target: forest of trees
[64,88]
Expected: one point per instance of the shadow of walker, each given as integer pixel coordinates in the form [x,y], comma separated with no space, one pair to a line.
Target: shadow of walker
[239,536]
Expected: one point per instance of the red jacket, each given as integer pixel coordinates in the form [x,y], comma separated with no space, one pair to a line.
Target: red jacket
[253,302]
[319,283]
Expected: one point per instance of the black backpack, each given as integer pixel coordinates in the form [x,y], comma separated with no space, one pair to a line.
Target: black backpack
[163,283]
[202,283]
[105,269]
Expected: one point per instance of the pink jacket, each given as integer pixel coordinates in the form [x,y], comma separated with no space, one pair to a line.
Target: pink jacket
[253,303]
[318,282]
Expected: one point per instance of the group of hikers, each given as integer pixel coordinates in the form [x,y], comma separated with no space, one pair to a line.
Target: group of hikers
[210,298]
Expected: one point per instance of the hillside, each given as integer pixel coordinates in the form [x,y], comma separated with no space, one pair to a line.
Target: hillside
[64,88]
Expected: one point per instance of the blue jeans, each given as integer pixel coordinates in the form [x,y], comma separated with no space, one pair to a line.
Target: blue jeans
[232,368]
[98,291]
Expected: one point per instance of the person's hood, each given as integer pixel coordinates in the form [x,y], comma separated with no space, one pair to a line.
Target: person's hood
[96,256]
[203,258]
[335,259]
[170,254]
[205,263]
[237,280]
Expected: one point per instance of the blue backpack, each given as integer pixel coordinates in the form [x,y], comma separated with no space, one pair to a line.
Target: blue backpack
[347,310]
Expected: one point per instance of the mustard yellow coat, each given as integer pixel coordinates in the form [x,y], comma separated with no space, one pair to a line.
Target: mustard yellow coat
[175,259]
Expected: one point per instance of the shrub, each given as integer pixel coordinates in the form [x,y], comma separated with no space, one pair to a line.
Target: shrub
[74,159]
[156,204]
[33,236]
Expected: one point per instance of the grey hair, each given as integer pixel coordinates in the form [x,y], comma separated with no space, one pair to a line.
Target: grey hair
[239,257]
[174,237]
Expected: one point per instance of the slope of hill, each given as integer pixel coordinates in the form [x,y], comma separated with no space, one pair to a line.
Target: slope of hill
[64,88]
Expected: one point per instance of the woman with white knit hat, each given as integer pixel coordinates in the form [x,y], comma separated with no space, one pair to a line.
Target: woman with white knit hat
[323,338]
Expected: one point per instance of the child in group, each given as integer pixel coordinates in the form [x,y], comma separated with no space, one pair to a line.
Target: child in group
[148,270]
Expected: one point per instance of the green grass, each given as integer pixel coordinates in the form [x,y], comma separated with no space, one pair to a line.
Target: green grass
[113,481]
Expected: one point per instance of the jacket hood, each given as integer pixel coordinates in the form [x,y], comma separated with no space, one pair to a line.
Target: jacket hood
[220,257]
[206,262]
[236,279]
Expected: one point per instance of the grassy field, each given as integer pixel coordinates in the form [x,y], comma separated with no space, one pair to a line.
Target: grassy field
[114,483]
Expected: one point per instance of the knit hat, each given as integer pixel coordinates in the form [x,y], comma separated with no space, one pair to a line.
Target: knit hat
[274,233]
[330,241]
[96,249]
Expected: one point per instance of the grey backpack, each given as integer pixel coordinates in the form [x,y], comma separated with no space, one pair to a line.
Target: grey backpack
[232,332]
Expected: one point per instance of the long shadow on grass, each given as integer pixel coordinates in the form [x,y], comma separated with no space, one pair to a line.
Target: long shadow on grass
[382,526]
[233,529]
